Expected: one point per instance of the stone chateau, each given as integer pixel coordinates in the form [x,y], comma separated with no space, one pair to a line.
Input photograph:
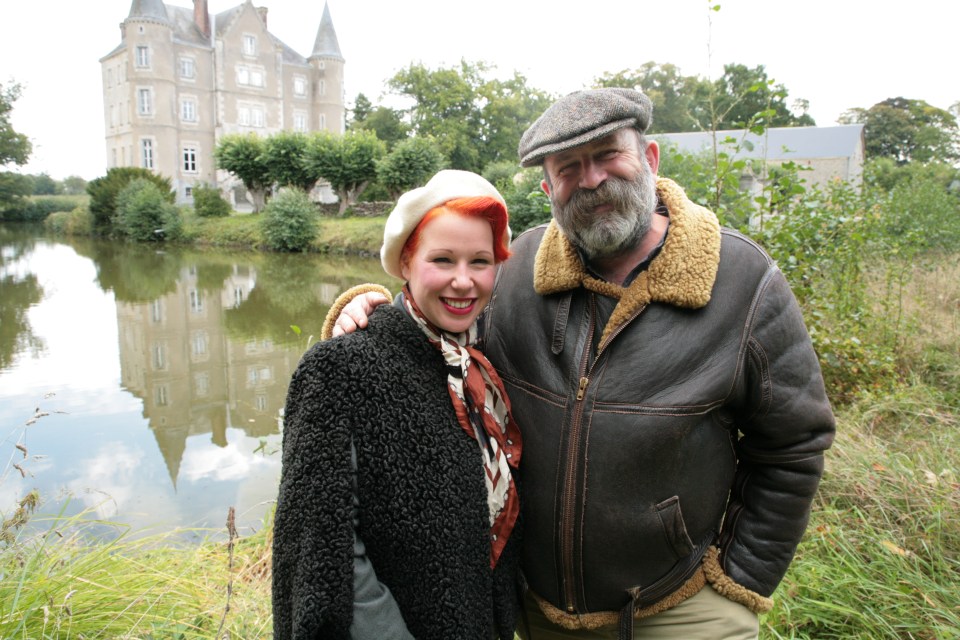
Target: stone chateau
[181,78]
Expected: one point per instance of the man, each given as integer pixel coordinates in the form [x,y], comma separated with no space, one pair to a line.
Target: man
[672,407]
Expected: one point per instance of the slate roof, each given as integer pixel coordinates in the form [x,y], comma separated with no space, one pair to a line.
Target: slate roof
[779,143]
[326,44]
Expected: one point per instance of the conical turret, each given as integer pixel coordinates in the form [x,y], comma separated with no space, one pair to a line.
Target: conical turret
[326,44]
[148,9]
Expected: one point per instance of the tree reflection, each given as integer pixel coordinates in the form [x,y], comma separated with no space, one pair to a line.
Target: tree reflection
[135,273]
[16,336]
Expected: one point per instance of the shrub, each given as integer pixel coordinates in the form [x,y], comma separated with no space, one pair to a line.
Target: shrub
[527,203]
[104,190]
[144,214]
[78,222]
[290,221]
[208,203]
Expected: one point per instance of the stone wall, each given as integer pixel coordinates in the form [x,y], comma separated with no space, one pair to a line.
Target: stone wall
[360,210]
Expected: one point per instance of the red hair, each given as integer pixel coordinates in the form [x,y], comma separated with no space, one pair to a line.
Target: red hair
[483,207]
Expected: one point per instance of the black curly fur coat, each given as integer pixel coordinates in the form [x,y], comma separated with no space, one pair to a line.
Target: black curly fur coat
[423,507]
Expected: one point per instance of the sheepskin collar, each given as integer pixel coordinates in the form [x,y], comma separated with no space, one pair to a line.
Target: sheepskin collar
[681,275]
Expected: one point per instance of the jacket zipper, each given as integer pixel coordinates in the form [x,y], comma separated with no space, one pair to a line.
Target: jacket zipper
[573,456]
[570,478]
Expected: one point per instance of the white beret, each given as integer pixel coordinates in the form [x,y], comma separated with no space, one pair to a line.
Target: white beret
[413,205]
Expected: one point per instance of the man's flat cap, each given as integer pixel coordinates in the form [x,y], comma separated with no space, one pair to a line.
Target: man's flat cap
[582,117]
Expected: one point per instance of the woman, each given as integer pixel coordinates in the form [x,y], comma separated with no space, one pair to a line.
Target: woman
[397,501]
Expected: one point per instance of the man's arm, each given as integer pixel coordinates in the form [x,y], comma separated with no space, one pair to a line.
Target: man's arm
[352,309]
[786,424]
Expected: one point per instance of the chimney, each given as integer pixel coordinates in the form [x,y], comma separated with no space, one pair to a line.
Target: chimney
[201,17]
[262,11]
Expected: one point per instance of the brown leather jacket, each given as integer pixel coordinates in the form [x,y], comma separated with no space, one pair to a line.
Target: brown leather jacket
[688,416]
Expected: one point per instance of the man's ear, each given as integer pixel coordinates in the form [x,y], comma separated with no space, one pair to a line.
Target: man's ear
[545,186]
[653,155]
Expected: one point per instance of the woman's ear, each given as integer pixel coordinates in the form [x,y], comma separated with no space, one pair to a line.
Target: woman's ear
[405,265]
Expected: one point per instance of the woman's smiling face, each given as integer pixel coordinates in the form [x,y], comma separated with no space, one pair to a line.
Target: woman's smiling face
[452,269]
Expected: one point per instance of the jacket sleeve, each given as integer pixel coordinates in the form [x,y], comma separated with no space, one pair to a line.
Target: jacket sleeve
[313,528]
[786,424]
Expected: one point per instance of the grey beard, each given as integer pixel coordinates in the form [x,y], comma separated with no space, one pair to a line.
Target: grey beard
[616,232]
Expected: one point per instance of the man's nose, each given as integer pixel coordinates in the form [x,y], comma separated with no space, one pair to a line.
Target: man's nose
[593,175]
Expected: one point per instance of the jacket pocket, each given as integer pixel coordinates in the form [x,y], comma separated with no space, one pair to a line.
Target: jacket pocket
[674,529]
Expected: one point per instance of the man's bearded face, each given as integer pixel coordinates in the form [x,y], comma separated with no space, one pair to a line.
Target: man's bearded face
[609,233]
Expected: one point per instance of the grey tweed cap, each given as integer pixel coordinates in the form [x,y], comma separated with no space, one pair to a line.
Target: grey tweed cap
[582,117]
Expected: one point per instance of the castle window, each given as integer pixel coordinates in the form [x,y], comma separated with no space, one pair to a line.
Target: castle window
[188,110]
[299,121]
[249,45]
[146,153]
[321,88]
[299,86]
[143,56]
[190,159]
[187,68]
[145,102]
[323,121]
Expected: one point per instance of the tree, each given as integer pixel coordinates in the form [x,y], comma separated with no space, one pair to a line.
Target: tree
[907,130]
[476,121]
[361,109]
[411,164]
[44,185]
[387,123]
[74,185]
[347,162]
[742,93]
[104,191]
[673,95]
[243,156]
[285,155]
[14,149]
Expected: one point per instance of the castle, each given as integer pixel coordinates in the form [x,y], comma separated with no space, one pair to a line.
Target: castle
[180,79]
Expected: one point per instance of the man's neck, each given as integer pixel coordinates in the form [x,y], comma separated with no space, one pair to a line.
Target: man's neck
[616,269]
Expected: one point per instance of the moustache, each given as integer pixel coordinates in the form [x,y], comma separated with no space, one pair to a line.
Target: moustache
[611,191]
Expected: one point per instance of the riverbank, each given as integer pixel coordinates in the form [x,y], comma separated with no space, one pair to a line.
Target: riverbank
[359,235]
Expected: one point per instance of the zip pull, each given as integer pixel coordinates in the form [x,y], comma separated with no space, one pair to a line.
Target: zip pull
[583,387]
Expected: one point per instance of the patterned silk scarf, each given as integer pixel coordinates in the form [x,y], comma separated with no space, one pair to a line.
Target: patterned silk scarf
[483,410]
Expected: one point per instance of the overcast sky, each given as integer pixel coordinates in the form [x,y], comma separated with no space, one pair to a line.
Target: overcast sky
[837,54]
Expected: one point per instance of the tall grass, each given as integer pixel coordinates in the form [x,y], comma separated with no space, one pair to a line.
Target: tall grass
[67,581]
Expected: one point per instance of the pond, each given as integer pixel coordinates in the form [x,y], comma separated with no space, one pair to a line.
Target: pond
[162,370]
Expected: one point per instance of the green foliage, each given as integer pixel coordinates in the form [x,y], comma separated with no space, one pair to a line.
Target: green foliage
[44,185]
[103,193]
[285,153]
[526,202]
[37,208]
[387,123]
[15,147]
[692,103]
[475,120]
[347,162]
[74,186]
[144,213]
[290,221]
[411,164]
[77,222]
[14,191]
[208,203]
[905,130]
[243,156]
[885,173]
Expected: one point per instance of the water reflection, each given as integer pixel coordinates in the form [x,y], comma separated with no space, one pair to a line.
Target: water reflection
[172,366]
